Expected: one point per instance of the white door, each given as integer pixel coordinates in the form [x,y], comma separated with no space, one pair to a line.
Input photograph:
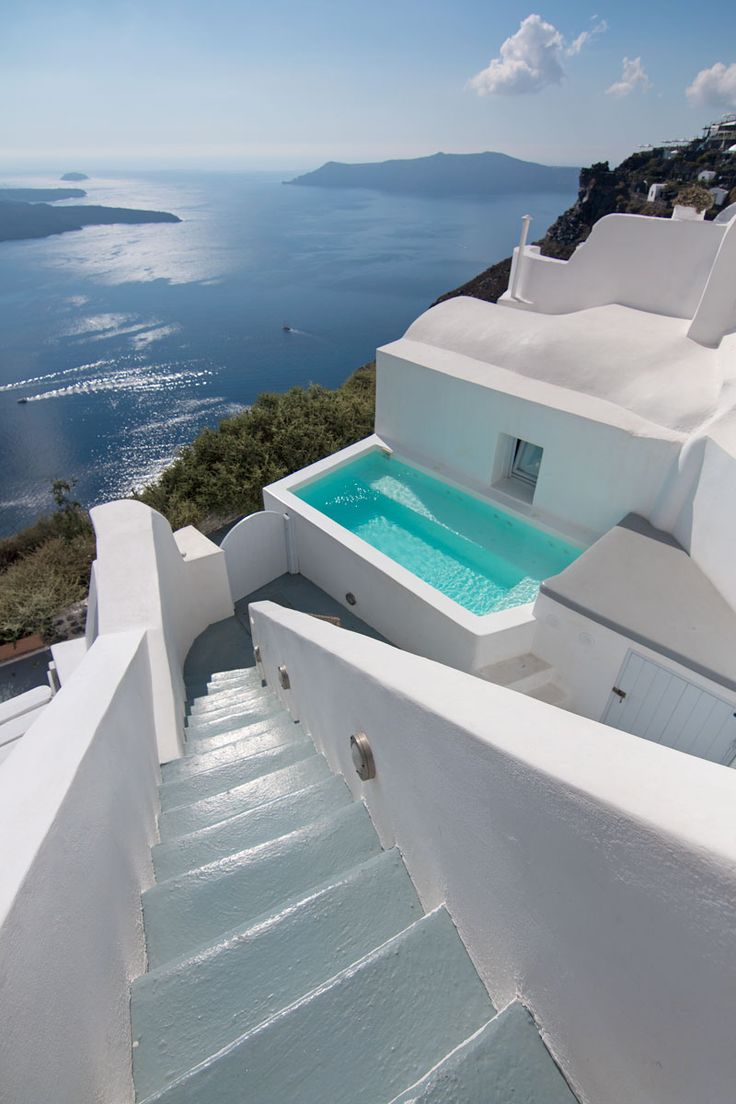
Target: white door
[650,701]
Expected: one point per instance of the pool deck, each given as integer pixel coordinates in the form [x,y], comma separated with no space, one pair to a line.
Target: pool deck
[228,645]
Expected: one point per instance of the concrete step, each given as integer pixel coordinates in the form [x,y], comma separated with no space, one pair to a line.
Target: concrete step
[199,745]
[505,1062]
[193,909]
[277,818]
[281,731]
[211,810]
[518,673]
[361,1038]
[233,718]
[226,776]
[199,683]
[219,701]
[550,692]
[188,1010]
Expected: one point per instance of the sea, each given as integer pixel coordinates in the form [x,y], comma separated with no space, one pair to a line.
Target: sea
[127,340]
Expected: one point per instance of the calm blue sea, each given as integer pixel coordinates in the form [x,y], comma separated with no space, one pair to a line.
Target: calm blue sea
[127,340]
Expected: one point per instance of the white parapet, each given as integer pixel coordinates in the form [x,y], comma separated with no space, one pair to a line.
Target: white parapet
[173,587]
[78,804]
[590,873]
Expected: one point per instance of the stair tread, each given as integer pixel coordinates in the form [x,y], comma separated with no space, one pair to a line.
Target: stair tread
[220,699]
[236,718]
[194,908]
[415,996]
[508,671]
[505,1062]
[249,829]
[185,1011]
[223,777]
[200,745]
[211,810]
[273,735]
[550,692]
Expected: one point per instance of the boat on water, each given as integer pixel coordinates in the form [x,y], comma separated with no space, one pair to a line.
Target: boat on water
[21,401]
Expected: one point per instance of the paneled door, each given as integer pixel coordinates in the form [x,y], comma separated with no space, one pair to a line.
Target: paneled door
[650,701]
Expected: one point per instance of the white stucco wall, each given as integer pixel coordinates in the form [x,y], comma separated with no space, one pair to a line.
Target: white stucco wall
[707,523]
[172,586]
[255,552]
[78,804]
[591,873]
[651,264]
[588,656]
[592,473]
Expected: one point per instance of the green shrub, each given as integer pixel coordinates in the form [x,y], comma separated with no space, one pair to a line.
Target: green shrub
[35,589]
[220,476]
[695,196]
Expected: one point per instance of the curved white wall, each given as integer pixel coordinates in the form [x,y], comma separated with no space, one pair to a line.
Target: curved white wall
[172,586]
[651,264]
[590,873]
[78,803]
[256,552]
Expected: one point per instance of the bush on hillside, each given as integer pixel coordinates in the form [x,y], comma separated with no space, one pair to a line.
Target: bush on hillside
[36,588]
[695,196]
[220,476]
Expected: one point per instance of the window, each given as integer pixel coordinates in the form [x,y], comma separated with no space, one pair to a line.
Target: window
[525,462]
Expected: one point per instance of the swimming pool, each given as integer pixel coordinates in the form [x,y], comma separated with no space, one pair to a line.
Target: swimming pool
[477,554]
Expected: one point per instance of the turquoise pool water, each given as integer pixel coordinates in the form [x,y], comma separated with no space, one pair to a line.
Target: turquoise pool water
[480,556]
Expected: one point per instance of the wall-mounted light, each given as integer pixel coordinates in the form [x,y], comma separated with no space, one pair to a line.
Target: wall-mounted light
[350,598]
[362,755]
[284,678]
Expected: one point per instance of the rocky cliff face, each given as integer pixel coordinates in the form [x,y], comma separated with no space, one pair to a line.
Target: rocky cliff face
[603,191]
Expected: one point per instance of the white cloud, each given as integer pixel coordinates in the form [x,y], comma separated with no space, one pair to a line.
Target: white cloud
[714,87]
[634,76]
[585,36]
[531,59]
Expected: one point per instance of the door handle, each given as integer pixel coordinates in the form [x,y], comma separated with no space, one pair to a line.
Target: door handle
[618,692]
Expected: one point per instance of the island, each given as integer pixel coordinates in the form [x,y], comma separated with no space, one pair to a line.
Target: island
[40,195]
[446,174]
[20,220]
[74,176]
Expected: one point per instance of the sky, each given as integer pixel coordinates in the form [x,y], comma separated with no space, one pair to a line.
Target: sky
[232,84]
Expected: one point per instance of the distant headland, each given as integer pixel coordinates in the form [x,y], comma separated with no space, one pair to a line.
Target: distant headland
[39,195]
[25,213]
[39,220]
[74,176]
[446,174]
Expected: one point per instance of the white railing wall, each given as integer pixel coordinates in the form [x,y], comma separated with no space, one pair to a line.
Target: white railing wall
[171,585]
[78,803]
[591,873]
[651,264]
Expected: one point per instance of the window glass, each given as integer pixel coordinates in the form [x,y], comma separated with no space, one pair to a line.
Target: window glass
[527,461]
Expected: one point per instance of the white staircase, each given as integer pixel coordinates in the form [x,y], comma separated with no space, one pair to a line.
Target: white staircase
[290,960]
[530,675]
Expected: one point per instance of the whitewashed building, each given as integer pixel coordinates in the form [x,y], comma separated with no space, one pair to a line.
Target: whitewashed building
[418,788]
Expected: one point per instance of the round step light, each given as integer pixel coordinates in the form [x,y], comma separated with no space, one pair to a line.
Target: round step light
[363,761]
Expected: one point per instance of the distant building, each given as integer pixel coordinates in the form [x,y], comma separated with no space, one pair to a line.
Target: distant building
[706,176]
[720,195]
[655,193]
[722,134]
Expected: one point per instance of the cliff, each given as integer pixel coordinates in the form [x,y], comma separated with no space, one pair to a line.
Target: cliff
[445,174]
[604,191]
